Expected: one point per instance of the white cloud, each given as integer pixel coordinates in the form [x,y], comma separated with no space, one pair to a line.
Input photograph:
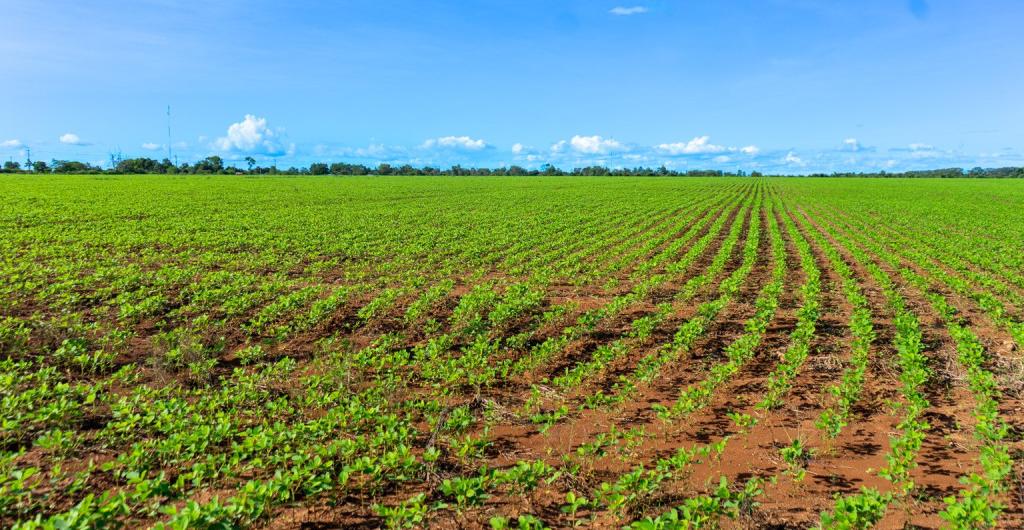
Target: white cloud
[376,151]
[696,146]
[851,144]
[456,142]
[918,151]
[750,150]
[721,159]
[71,139]
[517,148]
[252,136]
[627,11]
[791,158]
[593,145]
[150,146]
[11,144]
[558,147]
[925,153]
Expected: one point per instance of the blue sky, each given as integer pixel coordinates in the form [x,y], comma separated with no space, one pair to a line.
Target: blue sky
[773,85]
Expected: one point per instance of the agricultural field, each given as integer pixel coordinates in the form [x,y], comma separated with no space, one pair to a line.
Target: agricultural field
[651,353]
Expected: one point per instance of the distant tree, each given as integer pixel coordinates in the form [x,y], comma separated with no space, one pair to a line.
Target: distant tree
[215,165]
[211,164]
[318,169]
[72,166]
[341,168]
[138,166]
[166,166]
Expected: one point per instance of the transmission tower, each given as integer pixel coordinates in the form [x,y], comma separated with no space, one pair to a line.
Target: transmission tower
[116,158]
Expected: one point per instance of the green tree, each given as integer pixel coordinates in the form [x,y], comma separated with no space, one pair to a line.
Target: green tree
[72,166]
[138,165]
[211,164]
[318,169]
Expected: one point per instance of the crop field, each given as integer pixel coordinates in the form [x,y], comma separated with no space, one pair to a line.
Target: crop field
[653,353]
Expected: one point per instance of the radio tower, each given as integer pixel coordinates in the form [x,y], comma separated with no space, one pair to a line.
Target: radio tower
[168,132]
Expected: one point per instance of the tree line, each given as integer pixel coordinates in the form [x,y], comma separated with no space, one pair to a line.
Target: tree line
[215,165]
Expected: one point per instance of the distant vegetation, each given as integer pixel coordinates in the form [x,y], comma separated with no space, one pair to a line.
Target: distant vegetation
[215,165]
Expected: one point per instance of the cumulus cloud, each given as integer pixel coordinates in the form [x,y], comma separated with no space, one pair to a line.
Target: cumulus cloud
[456,142]
[150,146]
[252,136]
[593,145]
[791,158]
[71,139]
[627,11]
[11,144]
[851,144]
[518,148]
[750,150]
[697,145]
